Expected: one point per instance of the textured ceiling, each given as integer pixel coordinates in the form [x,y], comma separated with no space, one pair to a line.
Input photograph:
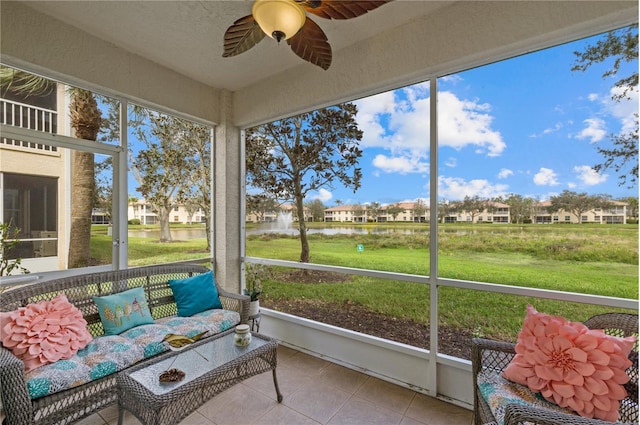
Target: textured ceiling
[187,36]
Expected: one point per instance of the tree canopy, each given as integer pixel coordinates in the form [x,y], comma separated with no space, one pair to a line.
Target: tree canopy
[578,203]
[293,157]
[622,47]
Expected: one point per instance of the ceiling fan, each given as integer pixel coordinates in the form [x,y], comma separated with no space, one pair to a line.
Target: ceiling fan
[287,20]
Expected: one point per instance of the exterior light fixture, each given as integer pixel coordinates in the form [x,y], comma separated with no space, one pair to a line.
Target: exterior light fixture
[279,19]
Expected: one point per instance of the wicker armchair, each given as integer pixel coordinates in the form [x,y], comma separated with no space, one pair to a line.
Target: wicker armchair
[494,356]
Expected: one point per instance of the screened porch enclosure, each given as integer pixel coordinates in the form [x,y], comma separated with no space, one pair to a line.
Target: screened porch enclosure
[172,62]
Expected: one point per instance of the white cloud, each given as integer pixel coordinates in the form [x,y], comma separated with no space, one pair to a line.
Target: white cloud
[323,195]
[594,130]
[504,173]
[553,129]
[548,130]
[398,122]
[454,188]
[625,109]
[545,177]
[588,175]
[571,185]
[466,122]
[593,97]
[451,162]
[400,164]
[453,78]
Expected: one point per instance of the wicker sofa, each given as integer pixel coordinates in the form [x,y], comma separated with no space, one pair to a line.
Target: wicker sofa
[492,358]
[73,404]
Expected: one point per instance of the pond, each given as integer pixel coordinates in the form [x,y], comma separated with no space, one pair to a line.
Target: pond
[185,234]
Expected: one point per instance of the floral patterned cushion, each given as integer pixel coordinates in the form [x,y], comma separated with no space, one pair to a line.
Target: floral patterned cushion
[571,365]
[109,354]
[44,332]
[499,392]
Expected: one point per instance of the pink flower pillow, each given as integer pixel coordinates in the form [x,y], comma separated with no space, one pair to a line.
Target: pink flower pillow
[571,365]
[44,332]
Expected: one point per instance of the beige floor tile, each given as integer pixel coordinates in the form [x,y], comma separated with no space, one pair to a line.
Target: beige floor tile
[289,380]
[196,418]
[408,421]
[309,365]
[282,415]
[317,400]
[343,378]
[386,394]
[360,412]
[285,352]
[110,413]
[239,405]
[94,419]
[129,419]
[435,412]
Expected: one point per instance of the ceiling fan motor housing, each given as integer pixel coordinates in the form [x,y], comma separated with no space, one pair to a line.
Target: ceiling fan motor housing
[279,19]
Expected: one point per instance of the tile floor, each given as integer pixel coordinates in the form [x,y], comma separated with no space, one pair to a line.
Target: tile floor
[315,392]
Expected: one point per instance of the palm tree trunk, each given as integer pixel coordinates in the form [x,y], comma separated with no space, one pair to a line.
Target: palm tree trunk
[82,188]
[86,120]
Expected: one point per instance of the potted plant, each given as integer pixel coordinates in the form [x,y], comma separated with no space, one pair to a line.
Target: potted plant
[253,276]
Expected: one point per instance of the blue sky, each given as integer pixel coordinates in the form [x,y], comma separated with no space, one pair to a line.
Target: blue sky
[527,125]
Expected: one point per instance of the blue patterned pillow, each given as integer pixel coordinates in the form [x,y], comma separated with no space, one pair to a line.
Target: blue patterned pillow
[122,311]
[195,294]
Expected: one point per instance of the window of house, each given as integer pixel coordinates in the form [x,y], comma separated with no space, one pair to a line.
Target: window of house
[30,207]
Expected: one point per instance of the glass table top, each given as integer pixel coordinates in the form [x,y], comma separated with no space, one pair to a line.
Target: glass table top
[194,362]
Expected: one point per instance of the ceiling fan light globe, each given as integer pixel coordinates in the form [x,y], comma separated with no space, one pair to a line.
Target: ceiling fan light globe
[279,19]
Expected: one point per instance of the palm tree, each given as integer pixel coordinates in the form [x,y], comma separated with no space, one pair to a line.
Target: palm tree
[86,119]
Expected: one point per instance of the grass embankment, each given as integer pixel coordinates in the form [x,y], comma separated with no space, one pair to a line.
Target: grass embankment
[145,251]
[600,260]
[585,259]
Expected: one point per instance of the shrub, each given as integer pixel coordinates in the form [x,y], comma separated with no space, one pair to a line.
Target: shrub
[134,221]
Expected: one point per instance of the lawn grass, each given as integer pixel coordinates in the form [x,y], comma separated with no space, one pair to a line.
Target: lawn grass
[601,260]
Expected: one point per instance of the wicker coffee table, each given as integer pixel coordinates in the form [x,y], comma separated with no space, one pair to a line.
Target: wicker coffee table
[210,367]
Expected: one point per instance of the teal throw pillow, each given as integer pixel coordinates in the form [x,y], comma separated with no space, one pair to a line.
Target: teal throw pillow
[124,310]
[195,294]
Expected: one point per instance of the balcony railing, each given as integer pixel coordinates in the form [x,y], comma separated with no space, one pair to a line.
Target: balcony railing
[31,117]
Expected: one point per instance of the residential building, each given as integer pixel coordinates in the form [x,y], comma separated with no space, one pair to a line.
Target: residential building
[272,216]
[141,210]
[615,214]
[34,178]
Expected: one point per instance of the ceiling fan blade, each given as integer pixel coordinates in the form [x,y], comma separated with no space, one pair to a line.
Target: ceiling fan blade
[337,9]
[241,36]
[311,44]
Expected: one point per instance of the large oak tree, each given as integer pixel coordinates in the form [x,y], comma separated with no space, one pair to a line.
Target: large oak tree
[290,158]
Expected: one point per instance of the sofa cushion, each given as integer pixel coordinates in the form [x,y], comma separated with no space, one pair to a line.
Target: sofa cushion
[571,365]
[103,356]
[109,354]
[195,294]
[214,321]
[44,332]
[498,393]
[124,310]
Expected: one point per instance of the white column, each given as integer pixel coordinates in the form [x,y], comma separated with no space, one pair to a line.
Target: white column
[228,189]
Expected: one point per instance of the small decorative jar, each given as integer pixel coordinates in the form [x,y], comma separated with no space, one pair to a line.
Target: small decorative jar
[242,337]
